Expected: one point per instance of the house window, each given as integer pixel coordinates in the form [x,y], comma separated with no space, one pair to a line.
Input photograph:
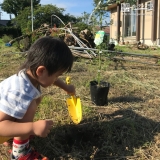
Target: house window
[129,23]
[149,6]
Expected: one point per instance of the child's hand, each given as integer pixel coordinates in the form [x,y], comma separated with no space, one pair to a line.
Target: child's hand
[42,127]
[70,89]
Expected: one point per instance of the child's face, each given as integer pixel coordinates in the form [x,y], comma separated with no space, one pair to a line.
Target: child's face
[45,80]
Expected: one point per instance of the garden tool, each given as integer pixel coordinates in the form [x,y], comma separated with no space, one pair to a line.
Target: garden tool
[74,106]
[4,139]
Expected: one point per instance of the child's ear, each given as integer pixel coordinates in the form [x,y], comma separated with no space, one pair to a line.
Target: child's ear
[40,70]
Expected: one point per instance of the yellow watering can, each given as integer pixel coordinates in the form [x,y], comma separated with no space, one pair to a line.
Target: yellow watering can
[74,106]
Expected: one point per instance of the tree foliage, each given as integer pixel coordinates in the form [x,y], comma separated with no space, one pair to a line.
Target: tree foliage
[84,17]
[107,2]
[16,6]
[82,26]
[42,14]
[100,13]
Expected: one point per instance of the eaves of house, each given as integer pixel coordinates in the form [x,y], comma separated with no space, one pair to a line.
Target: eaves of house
[112,5]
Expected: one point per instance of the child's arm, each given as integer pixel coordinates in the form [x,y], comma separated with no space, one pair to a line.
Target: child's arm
[10,128]
[70,89]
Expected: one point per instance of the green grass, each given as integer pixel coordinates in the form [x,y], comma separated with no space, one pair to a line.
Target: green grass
[133,49]
[1,42]
[126,128]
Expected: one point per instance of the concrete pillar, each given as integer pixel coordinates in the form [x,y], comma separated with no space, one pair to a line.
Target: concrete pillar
[138,23]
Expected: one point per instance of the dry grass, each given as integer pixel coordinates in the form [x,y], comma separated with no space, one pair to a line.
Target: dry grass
[128,128]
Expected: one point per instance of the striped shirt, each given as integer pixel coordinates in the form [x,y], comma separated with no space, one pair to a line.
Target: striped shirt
[16,94]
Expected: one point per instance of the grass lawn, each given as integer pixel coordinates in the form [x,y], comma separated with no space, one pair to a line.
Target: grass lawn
[128,128]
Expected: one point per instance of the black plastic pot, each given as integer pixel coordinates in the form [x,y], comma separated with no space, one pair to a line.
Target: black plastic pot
[99,93]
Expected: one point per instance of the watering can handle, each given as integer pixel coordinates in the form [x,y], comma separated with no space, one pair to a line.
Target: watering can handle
[68,80]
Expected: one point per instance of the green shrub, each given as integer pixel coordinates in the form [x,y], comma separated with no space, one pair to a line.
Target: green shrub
[15,32]
[1,41]
[6,38]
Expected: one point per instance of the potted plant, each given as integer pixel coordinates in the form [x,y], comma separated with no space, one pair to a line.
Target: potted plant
[99,89]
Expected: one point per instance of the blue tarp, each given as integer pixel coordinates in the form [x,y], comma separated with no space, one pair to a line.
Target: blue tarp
[8,44]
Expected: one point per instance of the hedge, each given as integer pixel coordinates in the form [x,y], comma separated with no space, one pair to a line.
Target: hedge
[10,31]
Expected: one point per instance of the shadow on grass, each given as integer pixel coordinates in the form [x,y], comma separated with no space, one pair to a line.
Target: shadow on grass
[126,99]
[105,136]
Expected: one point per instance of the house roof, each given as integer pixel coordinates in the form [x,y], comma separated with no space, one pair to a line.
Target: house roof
[112,4]
[106,29]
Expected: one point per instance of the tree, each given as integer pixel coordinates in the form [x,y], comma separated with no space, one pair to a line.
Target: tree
[85,17]
[42,14]
[100,13]
[70,18]
[16,6]
[107,2]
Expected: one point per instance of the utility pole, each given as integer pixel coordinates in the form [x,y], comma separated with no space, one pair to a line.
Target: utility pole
[32,13]
[0,14]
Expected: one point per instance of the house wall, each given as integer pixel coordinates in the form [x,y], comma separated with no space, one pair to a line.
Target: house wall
[146,24]
[158,28]
[113,27]
[121,26]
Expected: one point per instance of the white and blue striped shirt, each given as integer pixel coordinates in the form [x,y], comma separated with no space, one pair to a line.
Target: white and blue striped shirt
[16,94]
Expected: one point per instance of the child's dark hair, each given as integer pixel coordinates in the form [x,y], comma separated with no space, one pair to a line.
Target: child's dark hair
[53,53]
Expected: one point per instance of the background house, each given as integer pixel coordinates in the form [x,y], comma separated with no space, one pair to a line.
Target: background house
[139,22]
[106,29]
[4,22]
